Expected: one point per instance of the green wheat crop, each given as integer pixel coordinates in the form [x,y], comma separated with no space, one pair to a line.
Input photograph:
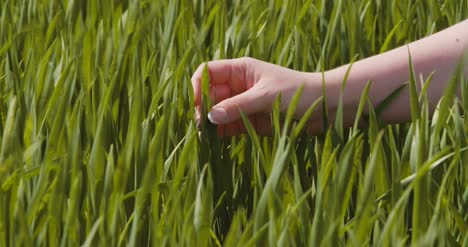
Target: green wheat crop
[99,145]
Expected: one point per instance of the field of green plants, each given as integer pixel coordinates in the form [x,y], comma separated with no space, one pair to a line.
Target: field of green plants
[99,145]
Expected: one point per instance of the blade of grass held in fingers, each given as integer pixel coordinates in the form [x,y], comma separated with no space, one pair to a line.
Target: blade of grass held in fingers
[208,128]
[205,86]
[98,147]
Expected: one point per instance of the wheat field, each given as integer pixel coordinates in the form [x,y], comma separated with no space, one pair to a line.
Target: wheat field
[99,145]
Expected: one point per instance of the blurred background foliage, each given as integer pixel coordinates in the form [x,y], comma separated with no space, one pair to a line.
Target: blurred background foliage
[99,145]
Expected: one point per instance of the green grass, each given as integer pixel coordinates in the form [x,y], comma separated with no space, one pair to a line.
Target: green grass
[99,145]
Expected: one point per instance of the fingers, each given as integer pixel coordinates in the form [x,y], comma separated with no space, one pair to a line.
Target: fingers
[250,102]
[315,128]
[260,122]
[219,93]
[263,127]
[231,72]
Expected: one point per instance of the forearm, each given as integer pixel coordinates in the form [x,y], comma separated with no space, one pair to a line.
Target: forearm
[439,54]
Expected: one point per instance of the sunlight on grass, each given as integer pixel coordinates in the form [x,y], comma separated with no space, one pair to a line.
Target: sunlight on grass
[99,145]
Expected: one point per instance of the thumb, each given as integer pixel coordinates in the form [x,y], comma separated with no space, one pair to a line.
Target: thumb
[228,110]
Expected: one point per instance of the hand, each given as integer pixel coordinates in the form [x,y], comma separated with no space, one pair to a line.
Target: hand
[251,86]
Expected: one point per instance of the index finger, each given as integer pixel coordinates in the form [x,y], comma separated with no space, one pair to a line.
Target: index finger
[226,71]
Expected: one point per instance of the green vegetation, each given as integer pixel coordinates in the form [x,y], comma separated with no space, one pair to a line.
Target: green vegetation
[99,145]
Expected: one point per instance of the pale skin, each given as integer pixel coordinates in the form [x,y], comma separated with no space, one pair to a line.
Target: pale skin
[251,86]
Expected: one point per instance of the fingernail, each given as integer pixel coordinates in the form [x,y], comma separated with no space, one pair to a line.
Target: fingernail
[217,115]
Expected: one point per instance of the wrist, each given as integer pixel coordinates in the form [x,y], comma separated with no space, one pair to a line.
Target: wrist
[331,81]
[326,83]
[317,84]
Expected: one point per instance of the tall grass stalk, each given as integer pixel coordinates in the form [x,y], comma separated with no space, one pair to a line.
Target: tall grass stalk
[99,144]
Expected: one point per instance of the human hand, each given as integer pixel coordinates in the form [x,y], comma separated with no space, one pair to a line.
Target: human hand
[251,86]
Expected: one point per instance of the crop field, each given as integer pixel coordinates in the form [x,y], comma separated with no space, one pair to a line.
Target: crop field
[99,145]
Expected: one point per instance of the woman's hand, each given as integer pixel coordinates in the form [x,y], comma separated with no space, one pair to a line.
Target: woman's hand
[251,86]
